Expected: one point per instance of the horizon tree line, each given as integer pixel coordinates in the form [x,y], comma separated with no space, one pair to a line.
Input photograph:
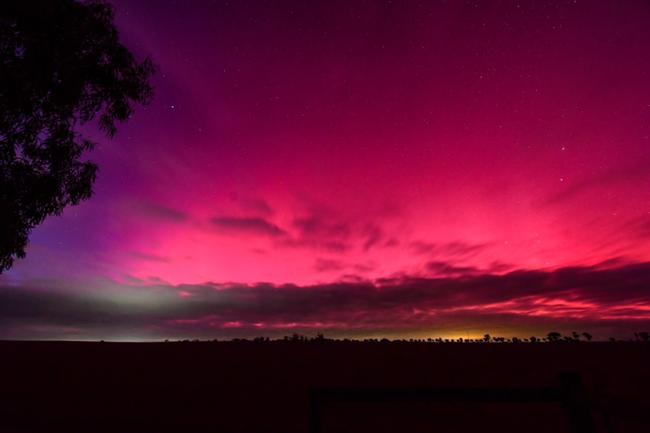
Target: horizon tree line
[551,337]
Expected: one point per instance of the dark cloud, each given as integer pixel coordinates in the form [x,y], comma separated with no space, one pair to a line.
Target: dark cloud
[29,306]
[319,233]
[444,268]
[150,257]
[372,235]
[327,265]
[315,227]
[162,213]
[578,297]
[332,246]
[454,249]
[248,225]
[392,242]
[500,267]
[364,267]
[255,205]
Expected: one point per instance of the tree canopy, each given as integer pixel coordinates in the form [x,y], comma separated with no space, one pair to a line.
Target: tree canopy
[61,65]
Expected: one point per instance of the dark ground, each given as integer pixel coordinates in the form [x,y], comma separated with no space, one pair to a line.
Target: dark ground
[324,386]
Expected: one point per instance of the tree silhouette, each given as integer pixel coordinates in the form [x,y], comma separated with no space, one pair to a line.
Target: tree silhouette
[587,336]
[553,336]
[61,65]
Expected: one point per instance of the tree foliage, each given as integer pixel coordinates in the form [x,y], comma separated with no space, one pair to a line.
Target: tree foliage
[61,65]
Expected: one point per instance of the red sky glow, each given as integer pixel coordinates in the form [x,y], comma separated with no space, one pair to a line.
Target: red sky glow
[365,168]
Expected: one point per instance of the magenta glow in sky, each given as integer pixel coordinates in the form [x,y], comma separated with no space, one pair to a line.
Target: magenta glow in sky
[362,168]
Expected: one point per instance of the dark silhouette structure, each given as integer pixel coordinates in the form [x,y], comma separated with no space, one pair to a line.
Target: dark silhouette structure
[324,385]
[569,396]
[61,65]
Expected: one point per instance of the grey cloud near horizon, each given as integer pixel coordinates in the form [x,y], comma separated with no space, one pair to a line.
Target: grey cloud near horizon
[576,296]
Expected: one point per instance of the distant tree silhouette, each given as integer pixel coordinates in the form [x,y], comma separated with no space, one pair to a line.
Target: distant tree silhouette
[302,339]
[61,65]
[553,336]
[576,336]
[297,337]
[487,338]
[644,336]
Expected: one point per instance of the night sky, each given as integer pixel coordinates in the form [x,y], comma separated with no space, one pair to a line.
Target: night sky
[366,168]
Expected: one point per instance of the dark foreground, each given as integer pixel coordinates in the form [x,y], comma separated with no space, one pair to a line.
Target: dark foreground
[324,386]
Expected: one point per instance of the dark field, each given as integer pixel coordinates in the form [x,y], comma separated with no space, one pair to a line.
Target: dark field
[324,386]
